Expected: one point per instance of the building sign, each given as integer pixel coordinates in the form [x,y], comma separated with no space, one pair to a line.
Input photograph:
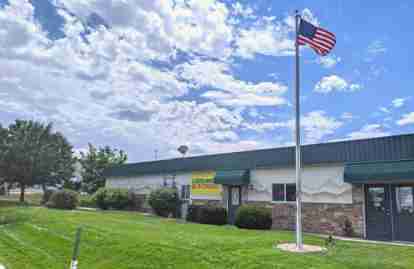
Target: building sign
[202,184]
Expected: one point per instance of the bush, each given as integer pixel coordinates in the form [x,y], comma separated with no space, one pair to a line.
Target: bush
[46,196]
[164,201]
[253,217]
[348,230]
[87,201]
[63,199]
[100,198]
[207,214]
[119,199]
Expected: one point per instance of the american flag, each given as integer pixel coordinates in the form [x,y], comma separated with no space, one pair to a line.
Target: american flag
[321,40]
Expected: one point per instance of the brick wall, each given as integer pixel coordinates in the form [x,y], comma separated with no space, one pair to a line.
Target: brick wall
[323,218]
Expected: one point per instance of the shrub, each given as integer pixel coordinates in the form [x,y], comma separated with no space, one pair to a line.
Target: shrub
[253,217]
[87,201]
[348,230]
[100,198]
[164,201]
[63,199]
[46,196]
[135,201]
[207,214]
[119,199]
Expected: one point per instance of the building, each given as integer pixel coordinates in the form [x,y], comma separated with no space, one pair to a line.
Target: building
[364,184]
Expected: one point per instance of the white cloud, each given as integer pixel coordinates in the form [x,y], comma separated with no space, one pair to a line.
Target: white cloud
[269,36]
[316,125]
[329,61]
[335,83]
[399,102]
[376,47]
[98,84]
[104,90]
[162,26]
[267,126]
[385,110]
[406,119]
[243,11]
[348,116]
[230,91]
[274,41]
[369,130]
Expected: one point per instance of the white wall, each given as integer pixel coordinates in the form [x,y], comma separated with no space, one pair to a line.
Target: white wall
[144,184]
[320,184]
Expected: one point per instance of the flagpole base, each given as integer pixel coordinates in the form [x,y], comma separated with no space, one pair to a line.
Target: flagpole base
[292,247]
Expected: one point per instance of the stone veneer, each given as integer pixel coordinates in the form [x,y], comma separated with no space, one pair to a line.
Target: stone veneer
[323,218]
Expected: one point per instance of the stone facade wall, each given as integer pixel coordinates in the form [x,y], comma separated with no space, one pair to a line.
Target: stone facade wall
[323,218]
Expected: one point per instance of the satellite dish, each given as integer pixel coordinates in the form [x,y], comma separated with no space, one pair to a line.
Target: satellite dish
[183,149]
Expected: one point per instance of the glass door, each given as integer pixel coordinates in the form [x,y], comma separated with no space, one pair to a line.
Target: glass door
[234,201]
[378,212]
[403,212]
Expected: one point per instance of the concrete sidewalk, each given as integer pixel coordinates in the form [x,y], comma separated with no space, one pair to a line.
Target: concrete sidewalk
[391,243]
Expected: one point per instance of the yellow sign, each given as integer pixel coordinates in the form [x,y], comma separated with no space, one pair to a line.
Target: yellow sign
[202,184]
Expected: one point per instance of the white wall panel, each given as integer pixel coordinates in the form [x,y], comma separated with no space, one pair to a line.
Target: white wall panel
[320,184]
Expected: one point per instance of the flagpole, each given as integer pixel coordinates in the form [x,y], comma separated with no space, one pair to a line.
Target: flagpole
[299,239]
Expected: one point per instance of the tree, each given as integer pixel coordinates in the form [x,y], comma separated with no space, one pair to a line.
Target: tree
[94,162]
[30,154]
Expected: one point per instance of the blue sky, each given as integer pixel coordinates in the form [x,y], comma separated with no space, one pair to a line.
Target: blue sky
[215,75]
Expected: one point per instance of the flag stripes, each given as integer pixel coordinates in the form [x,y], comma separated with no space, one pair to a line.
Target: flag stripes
[321,40]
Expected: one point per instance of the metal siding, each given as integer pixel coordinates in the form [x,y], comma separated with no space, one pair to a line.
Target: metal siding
[374,149]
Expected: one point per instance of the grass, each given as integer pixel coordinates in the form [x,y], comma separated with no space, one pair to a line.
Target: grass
[43,238]
[30,198]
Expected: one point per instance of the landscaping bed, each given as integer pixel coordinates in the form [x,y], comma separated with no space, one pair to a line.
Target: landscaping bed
[117,240]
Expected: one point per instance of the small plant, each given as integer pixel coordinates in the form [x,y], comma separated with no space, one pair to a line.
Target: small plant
[207,214]
[253,217]
[164,201]
[348,229]
[87,201]
[119,199]
[330,241]
[63,199]
[46,196]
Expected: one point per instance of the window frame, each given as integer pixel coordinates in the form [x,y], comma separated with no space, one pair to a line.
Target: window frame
[285,201]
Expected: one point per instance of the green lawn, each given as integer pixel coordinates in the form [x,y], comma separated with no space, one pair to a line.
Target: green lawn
[30,198]
[43,238]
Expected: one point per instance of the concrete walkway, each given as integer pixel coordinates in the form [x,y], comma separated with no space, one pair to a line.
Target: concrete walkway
[391,243]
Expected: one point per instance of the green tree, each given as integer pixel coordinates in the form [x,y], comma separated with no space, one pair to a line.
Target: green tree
[31,153]
[94,162]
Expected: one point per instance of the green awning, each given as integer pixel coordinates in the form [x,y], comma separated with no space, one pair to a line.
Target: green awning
[380,172]
[232,177]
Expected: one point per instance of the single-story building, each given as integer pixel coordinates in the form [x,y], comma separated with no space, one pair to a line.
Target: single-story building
[366,184]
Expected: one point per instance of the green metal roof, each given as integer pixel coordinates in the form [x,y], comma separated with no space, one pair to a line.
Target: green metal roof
[380,172]
[389,148]
[232,177]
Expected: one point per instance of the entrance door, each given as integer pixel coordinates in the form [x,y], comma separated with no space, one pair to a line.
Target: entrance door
[234,201]
[403,212]
[378,212]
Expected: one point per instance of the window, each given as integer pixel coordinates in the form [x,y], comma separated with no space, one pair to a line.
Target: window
[284,192]
[185,192]
[404,197]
